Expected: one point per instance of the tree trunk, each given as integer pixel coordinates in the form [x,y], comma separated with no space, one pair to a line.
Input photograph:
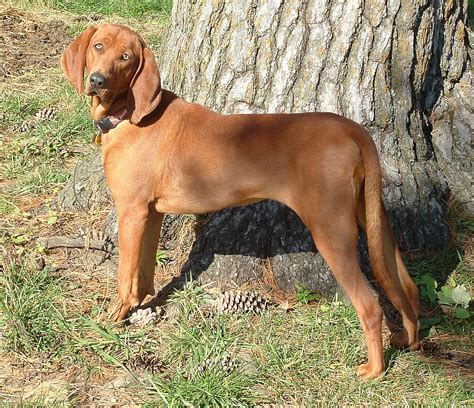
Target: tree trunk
[400,68]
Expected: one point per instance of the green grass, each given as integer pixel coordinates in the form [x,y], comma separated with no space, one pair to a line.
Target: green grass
[304,357]
[208,389]
[300,357]
[308,359]
[190,342]
[126,8]
[32,315]
[35,160]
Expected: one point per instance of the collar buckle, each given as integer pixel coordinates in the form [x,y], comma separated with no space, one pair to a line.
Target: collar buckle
[103,126]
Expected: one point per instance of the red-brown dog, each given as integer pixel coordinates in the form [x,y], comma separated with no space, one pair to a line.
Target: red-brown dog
[162,154]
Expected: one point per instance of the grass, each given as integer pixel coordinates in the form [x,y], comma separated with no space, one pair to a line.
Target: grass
[301,357]
[35,159]
[32,315]
[36,162]
[50,318]
[126,8]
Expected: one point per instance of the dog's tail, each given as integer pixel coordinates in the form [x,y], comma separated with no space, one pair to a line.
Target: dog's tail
[387,263]
[374,208]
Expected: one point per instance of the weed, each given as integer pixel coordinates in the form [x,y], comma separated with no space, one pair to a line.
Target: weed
[102,340]
[305,295]
[32,317]
[205,389]
[189,301]
[455,295]
[191,342]
[427,285]
[161,258]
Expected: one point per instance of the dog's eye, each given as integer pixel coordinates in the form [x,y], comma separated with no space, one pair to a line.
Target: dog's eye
[125,56]
[98,46]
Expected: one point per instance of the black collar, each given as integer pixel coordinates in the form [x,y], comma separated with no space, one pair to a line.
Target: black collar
[109,122]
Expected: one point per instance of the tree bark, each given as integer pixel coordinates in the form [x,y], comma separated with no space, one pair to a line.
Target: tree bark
[400,68]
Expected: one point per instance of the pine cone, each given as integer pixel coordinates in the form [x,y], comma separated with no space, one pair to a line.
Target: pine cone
[47,113]
[94,234]
[142,361]
[90,17]
[225,364]
[142,317]
[230,302]
[228,364]
[98,235]
[26,126]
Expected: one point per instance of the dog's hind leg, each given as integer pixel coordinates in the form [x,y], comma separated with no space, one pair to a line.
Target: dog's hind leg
[336,240]
[402,287]
[398,285]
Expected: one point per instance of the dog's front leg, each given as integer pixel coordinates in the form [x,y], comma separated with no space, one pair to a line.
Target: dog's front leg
[138,230]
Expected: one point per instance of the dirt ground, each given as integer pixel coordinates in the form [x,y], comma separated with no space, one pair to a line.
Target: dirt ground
[28,43]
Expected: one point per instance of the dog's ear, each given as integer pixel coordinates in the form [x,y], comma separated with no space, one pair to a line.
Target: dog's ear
[145,91]
[73,60]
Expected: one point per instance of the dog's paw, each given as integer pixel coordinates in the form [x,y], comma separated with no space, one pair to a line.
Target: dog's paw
[119,310]
[366,371]
[400,340]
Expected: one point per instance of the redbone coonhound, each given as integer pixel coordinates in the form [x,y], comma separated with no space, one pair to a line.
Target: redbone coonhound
[162,154]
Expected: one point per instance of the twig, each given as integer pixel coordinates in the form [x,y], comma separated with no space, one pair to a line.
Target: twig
[62,241]
[76,197]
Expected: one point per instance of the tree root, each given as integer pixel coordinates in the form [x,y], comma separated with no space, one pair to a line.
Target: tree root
[62,241]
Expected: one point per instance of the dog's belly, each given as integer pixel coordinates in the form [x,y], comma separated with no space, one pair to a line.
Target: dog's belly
[198,207]
[207,197]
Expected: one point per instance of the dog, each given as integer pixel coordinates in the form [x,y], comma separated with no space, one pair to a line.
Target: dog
[164,155]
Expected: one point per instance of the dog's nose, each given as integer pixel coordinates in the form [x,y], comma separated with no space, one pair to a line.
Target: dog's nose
[97,80]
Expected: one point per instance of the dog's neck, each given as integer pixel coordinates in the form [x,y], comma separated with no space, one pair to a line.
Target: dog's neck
[100,109]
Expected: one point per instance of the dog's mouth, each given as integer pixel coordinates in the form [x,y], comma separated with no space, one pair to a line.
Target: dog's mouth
[103,94]
[90,91]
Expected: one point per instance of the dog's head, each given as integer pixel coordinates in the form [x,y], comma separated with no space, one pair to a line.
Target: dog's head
[118,65]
